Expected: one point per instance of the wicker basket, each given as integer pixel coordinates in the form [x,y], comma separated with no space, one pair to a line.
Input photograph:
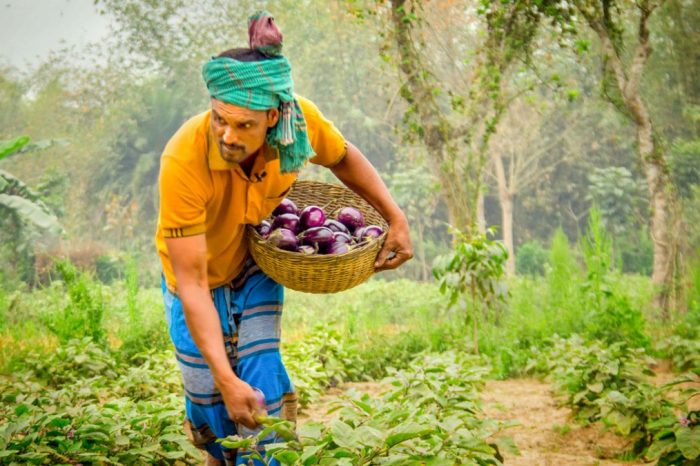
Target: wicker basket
[320,273]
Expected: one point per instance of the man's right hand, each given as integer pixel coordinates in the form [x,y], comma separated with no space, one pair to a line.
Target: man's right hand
[241,402]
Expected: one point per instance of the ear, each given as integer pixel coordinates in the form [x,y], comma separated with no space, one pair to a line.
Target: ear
[273,115]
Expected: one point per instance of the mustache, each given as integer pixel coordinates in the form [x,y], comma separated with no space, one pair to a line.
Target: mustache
[232,146]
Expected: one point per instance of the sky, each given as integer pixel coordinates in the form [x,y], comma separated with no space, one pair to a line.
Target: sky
[30,29]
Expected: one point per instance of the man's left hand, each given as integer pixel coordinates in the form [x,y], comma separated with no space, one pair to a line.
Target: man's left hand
[397,247]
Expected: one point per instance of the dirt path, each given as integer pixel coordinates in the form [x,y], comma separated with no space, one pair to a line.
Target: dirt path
[546,437]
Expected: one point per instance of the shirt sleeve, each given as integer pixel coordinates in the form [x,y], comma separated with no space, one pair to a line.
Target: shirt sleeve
[326,140]
[182,200]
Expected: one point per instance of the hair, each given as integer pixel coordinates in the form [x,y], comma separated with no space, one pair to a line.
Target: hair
[244,54]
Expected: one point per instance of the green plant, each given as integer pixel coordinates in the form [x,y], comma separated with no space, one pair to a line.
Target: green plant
[85,312]
[684,353]
[108,268]
[473,273]
[80,404]
[562,278]
[676,438]
[531,259]
[608,383]
[430,416]
[131,282]
[24,217]
[610,315]
[322,359]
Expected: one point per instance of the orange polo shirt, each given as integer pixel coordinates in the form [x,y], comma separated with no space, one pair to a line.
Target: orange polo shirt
[201,193]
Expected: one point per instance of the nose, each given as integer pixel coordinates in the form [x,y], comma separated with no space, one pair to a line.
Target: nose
[229,137]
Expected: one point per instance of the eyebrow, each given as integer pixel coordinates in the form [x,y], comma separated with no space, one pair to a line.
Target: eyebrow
[241,122]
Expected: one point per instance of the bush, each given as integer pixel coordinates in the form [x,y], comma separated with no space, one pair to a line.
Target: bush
[108,268]
[636,252]
[83,315]
[531,259]
[610,316]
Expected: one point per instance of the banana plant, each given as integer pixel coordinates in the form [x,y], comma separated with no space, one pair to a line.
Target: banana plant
[17,200]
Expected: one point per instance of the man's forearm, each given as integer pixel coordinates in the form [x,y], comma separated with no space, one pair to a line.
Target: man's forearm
[205,328]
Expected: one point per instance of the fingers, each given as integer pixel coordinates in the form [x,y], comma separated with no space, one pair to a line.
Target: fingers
[247,420]
[394,261]
[245,413]
[382,256]
[391,256]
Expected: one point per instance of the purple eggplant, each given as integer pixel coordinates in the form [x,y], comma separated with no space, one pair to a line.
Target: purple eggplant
[287,206]
[371,231]
[264,228]
[288,221]
[283,239]
[351,218]
[336,247]
[306,249]
[340,237]
[317,236]
[336,226]
[311,216]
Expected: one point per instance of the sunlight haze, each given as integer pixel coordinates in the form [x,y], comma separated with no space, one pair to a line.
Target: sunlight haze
[30,29]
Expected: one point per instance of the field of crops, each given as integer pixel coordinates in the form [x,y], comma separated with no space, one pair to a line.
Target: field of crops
[89,377]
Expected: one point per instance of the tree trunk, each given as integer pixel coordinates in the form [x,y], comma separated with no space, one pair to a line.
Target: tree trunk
[424,268]
[481,213]
[662,198]
[663,219]
[505,198]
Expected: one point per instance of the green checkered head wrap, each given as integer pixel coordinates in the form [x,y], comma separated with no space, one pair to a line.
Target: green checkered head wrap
[262,85]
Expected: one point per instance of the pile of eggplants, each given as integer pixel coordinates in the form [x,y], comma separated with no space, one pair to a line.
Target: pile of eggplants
[311,231]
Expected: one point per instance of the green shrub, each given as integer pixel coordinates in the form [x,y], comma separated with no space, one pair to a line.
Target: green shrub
[431,415]
[684,353]
[609,314]
[636,252]
[84,314]
[531,259]
[79,405]
[608,383]
[108,268]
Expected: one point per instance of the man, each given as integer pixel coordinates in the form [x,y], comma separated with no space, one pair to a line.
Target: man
[223,169]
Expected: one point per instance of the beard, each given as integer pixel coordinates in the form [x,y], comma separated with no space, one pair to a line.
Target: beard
[232,152]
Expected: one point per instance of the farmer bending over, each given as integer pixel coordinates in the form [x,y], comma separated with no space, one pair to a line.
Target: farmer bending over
[223,169]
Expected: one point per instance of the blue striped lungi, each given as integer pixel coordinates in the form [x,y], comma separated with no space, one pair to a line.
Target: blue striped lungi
[250,313]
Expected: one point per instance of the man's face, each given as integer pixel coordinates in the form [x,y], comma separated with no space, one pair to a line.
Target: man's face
[239,131]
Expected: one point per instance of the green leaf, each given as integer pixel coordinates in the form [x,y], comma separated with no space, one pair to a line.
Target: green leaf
[507,444]
[312,430]
[11,146]
[286,457]
[343,434]
[659,448]
[309,454]
[688,441]
[596,387]
[369,436]
[407,432]
[30,212]
[173,437]
[172,455]
[21,409]
[623,423]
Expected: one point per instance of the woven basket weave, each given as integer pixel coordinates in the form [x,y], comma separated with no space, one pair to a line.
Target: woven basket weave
[320,273]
